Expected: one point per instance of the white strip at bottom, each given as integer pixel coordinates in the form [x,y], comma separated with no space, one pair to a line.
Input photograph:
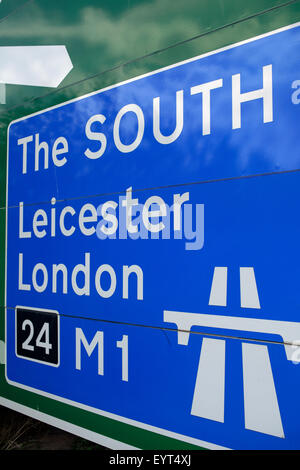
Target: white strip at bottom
[66,426]
[114,444]
[209,394]
[262,412]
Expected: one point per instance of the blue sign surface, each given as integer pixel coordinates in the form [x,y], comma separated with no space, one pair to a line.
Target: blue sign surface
[155,222]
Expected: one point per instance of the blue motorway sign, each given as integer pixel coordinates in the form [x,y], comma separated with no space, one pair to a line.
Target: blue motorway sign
[153,249]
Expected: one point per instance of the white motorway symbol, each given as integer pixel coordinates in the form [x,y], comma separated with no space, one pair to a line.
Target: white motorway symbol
[43,66]
[261,409]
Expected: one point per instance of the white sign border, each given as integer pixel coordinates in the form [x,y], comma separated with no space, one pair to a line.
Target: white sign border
[83,432]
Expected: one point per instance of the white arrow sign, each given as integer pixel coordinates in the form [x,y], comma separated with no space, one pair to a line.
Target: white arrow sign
[33,65]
